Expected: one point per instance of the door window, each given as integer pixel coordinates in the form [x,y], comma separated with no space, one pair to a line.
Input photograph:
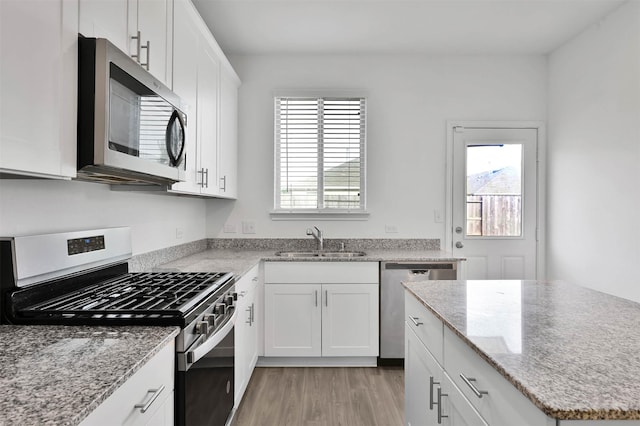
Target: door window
[494,190]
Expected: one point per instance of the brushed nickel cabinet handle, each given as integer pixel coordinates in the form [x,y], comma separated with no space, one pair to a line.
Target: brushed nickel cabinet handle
[415,321]
[326,298]
[138,47]
[431,401]
[440,415]
[473,387]
[145,406]
[316,297]
[148,47]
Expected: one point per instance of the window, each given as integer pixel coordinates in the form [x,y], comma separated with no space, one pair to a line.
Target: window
[319,150]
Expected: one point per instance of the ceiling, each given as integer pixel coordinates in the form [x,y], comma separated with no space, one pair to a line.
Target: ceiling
[398,26]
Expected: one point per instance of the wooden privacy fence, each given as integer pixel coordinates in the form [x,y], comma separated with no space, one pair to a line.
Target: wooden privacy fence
[494,215]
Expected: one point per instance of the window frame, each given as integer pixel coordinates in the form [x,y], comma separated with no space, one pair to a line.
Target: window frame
[352,213]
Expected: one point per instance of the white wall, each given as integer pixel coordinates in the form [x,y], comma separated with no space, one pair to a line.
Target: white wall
[44,206]
[594,157]
[410,98]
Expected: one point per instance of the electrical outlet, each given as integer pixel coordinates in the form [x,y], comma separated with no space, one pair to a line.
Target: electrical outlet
[437,216]
[230,228]
[248,228]
[391,229]
[179,233]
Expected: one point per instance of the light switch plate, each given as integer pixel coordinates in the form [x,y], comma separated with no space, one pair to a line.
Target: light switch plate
[230,228]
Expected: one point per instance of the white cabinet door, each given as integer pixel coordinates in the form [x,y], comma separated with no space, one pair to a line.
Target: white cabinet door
[228,143]
[186,43]
[38,86]
[456,410]
[155,24]
[207,117]
[423,377]
[246,334]
[119,21]
[106,19]
[350,320]
[292,320]
[152,385]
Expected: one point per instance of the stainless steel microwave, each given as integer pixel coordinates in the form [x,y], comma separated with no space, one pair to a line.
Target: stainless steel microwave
[131,127]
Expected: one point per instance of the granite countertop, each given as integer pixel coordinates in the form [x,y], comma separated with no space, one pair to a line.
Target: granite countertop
[574,352]
[59,374]
[240,261]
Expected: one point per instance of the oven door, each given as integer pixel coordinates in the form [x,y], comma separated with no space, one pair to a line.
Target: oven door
[204,393]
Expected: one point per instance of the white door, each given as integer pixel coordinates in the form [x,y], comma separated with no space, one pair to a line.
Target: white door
[292,320]
[350,320]
[494,201]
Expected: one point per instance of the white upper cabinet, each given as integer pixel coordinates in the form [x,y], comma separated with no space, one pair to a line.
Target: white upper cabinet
[106,19]
[141,28]
[38,86]
[196,78]
[186,46]
[155,26]
[205,80]
[228,142]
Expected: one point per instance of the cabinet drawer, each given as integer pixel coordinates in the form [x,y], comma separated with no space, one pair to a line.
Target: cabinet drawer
[426,326]
[119,407]
[321,272]
[503,404]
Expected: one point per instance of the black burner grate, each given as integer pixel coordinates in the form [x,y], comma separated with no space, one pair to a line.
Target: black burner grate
[134,295]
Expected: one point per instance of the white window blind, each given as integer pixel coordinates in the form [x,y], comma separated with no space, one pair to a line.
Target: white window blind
[320,146]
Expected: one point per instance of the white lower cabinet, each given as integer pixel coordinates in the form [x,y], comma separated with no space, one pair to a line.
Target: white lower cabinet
[454,409]
[502,404]
[436,393]
[246,332]
[326,309]
[422,375]
[292,320]
[145,399]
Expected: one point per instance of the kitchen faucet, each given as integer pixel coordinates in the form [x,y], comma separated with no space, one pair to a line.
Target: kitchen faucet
[317,235]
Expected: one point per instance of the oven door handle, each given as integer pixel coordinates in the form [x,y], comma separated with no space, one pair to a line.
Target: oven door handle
[191,357]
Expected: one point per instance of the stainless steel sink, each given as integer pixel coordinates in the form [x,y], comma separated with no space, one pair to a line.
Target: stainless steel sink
[341,254]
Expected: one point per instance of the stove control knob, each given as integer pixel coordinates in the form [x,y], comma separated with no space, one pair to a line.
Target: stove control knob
[235,295]
[210,319]
[228,300]
[202,327]
[219,308]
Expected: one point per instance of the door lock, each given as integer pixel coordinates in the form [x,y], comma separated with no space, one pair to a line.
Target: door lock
[458,229]
[459,244]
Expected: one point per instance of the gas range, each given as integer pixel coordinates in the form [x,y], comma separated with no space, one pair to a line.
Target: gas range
[82,278]
[89,283]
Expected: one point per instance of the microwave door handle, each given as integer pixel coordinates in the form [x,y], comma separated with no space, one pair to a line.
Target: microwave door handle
[175,158]
[206,347]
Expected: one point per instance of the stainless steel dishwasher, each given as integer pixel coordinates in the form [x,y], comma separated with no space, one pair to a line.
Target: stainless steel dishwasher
[392,301]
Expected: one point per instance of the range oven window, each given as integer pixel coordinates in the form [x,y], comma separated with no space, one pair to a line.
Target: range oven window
[141,123]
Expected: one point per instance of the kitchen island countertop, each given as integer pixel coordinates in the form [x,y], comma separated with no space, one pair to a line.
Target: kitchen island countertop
[59,374]
[574,352]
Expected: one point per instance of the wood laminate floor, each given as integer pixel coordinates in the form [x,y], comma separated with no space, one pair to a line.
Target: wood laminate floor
[323,397]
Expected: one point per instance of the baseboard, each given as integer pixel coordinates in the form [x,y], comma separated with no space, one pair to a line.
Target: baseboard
[366,361]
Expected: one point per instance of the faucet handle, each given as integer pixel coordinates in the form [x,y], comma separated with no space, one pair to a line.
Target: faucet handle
[309,231]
